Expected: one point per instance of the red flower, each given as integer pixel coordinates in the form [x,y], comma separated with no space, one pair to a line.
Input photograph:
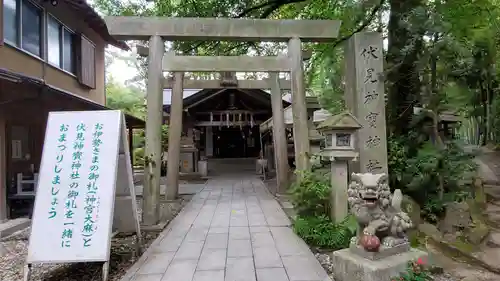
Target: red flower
[420,261]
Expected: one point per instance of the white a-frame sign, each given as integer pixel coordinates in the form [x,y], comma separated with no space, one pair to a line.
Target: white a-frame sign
[85,191]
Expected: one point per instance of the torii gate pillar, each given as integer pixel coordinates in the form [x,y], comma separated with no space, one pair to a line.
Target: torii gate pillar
[152,152]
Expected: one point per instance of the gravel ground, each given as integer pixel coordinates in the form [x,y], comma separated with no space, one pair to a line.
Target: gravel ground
[13,250]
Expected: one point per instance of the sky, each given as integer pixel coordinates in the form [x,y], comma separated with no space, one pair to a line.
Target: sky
[119,69]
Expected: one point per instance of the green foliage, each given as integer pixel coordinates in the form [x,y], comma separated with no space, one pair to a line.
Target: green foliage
[415,271]
[434,207]
[418,166]
[311,200]
[451,163]
[321,232]
[139,156]
[128,99]
[496,119]
[311,194]
[164,138]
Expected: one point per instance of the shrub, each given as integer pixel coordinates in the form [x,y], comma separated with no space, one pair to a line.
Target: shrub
[431,175]
[415,271]
[311,195]
[323,233]
[311,201]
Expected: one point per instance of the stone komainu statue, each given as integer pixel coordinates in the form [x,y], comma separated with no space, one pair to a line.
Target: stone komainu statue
[377,211]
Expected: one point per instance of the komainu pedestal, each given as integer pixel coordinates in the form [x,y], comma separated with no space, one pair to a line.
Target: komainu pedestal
[381,249]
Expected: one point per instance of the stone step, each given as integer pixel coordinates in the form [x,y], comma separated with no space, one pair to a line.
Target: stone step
[493,240]
[493,208]
[492,192]
[9,227]
[490,258]
[491,182]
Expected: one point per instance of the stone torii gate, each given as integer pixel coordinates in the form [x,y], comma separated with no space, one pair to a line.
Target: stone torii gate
[157,29]
[228,80]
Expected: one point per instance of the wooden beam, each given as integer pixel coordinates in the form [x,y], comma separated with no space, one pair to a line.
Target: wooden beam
[205,98]
[237,111]
[216,84]
[225,63]
[216,29]
[253,95]
[224,123]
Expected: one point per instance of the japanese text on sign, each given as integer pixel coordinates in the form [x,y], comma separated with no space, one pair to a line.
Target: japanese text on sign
[373,166]
[72,195]
[92,198]
[369,103]
[56,181]
[74,213]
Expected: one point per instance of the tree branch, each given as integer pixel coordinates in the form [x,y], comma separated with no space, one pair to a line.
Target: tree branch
[367,22]
[276,6]
[271,5]
[258,7]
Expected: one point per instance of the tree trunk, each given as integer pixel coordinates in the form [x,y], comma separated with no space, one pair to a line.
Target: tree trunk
[403,76]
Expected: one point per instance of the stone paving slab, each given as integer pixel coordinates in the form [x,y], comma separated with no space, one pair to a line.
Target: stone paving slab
[232,230]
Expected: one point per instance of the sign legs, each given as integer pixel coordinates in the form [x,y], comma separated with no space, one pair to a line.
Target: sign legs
[105,271]
[27,272]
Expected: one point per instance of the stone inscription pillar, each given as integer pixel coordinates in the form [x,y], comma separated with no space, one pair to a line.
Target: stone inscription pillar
[299,106]
[365,98]
[154,102]
[279,134]
[174,137]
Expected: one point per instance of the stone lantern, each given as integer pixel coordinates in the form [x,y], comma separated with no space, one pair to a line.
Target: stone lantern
[339,132]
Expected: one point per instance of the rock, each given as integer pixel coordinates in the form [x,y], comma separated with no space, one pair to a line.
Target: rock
[468,273]
[436,269]
[493,208]
[477,234]
[430,230]
[412,209]
[490,257]
[457,217]
[494,240]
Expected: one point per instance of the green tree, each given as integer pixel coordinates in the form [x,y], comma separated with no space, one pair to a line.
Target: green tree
[128,99]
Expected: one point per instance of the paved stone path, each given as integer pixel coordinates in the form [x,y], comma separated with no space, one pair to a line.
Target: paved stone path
[232,230]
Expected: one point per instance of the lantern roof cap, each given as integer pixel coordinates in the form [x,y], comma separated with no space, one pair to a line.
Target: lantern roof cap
[342,121]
